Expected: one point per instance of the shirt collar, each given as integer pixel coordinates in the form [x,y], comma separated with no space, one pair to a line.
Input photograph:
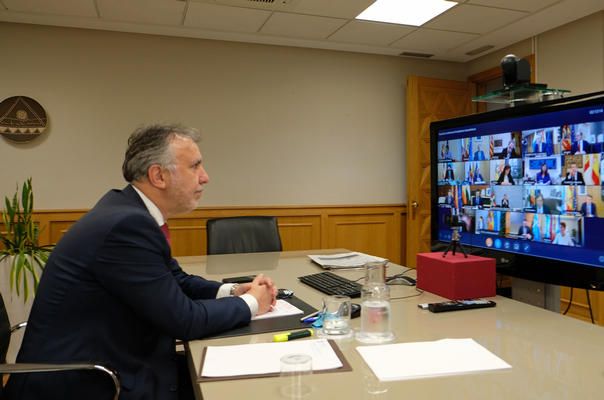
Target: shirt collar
[151,207]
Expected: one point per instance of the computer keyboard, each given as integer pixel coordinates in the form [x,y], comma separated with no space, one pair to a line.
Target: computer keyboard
[330,283]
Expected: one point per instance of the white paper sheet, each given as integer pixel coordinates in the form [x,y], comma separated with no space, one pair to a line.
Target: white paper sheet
[263,358]
[402,361]
[282,309]
[344,260]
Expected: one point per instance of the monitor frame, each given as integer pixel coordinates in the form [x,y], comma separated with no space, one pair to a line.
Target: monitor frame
[523,266]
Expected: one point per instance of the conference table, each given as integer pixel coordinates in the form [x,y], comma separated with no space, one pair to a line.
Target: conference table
[552,356]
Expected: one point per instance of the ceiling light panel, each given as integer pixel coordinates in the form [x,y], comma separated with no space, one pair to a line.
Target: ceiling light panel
[331,8]
[405,12]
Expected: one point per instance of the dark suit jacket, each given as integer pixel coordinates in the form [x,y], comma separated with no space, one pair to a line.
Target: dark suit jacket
[575,147]
[584,209]
[111,293]
[579,180]
[523,230]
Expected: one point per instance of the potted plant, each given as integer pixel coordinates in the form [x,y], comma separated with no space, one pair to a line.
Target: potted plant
[22,259]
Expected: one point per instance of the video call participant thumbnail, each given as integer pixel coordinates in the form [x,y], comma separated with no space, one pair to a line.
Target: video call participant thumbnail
[588,208]
[563,237]
[543,177]
[574,176]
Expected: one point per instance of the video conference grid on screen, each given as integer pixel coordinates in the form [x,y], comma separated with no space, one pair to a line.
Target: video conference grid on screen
[528,185]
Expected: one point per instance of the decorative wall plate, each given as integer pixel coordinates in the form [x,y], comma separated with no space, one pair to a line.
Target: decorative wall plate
[22,118]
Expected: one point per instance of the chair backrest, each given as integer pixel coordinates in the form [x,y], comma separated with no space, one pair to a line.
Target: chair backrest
[243,235]
[4,331]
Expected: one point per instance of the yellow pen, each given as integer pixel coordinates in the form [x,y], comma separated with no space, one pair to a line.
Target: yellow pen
[284,337]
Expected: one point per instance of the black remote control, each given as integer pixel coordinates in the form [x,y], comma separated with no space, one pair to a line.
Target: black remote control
[456,305]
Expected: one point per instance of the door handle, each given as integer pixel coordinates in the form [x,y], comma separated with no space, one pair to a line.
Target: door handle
[414,204]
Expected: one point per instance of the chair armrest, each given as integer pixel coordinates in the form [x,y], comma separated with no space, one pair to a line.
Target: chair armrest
[29,368]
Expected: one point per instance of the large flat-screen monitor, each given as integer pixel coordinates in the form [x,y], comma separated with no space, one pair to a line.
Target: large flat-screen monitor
[525,185]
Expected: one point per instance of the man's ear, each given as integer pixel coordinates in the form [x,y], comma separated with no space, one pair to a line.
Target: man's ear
[157,176]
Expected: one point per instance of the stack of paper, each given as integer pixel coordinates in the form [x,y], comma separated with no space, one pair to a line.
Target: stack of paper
[344,260]
[263,358]
[281,309]
[401,361]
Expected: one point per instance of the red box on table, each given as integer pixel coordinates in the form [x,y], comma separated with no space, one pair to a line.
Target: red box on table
[456,277]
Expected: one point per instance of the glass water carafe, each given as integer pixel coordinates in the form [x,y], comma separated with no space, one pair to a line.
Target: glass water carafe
[375,305]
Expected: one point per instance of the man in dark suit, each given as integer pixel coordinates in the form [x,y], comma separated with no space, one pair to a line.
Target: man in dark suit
[588,209]
[524,232]
[580,146]
[479,154]
[574,177]
[477,199]
[540,207]
[112,294]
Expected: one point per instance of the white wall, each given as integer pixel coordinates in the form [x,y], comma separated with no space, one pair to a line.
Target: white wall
[568,57]
[488,61]
[281,126]
[572,56]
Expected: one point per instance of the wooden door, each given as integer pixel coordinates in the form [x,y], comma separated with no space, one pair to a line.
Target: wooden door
[428,100]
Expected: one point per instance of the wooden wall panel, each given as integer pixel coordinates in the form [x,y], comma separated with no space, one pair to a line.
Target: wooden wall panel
[188,236]
[372,229]
[378,230]
[300,233]
[57,229]
[369,234]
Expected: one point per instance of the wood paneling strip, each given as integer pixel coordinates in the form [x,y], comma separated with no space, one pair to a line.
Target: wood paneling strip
[372,229]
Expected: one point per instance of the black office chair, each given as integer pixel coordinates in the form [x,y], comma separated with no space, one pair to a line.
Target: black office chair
[242,235]
[21,368]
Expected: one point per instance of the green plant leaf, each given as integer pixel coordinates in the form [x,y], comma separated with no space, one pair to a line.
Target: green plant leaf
[12,274]
[18,264]
[26,267]
[21,241]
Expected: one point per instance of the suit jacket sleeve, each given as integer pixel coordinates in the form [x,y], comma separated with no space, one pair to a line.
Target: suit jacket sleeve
[134,264]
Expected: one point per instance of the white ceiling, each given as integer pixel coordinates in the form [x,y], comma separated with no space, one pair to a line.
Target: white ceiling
[324,24]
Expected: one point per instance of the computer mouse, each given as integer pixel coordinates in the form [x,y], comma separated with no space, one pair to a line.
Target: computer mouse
[355,310]
[402,280]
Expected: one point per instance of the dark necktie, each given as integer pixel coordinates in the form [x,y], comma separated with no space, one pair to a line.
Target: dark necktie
[166,231]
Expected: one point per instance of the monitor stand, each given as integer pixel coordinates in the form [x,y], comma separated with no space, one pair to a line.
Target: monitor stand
[537,294]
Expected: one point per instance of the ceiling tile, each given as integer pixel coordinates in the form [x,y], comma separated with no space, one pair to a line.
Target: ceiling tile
[331,8]
[370,33]
[535,24]
[223,18]
[301,26]
[474,19]
[433,41]
[163,12]
[521,5]
[80,8]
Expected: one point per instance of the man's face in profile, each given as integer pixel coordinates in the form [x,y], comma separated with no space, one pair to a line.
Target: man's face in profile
[186,177]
